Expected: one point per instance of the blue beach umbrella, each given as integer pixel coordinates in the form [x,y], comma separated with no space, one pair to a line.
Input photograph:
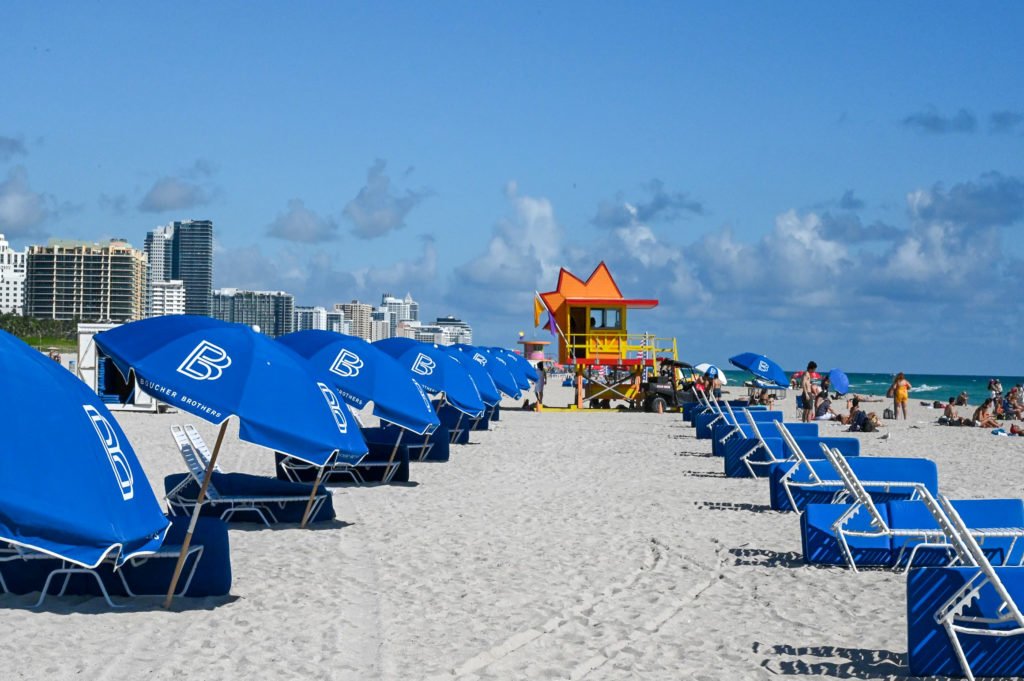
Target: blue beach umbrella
[215,370]
[839,381]
[517,360]
[70,483]
[478,374]
[363,373]
[760,366]
[501,378]
[437,371]
[520,371]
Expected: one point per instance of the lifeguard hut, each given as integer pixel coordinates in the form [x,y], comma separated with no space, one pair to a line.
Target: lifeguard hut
[589,320]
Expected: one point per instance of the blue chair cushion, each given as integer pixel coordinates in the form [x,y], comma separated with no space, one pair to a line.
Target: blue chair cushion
[245,485]
[930,650]
[821,547]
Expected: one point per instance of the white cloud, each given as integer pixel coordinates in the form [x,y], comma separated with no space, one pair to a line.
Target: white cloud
[377,210]
[22,210]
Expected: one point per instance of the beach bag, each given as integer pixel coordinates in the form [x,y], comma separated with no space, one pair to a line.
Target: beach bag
[889,393]
[888,414]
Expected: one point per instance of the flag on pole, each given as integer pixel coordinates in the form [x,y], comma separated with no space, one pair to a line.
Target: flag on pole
[538,309]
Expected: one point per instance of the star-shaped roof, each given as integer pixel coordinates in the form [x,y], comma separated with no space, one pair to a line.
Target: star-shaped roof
[599,289]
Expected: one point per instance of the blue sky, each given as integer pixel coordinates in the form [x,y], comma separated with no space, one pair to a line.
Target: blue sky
[840,181]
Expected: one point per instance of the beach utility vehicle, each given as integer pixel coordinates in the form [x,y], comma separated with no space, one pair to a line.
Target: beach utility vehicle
[610,365]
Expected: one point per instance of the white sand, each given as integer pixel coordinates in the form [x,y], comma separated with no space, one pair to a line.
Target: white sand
[595,545]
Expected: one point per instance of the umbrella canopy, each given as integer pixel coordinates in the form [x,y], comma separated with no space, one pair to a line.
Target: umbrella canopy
[363,373]
[494,366]
[437,371]
[760,366]
[703,368]
[521,367]
[215,370]
[479,374]
[70,484]
[815,376]
[839,381]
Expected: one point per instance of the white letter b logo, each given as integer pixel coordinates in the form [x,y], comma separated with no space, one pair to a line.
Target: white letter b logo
[424,366]
[206,363]
[335,406]
[118,462]
[347,364]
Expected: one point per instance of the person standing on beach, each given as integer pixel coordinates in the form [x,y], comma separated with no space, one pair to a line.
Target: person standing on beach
[807,388]
[538,386]
[900,392]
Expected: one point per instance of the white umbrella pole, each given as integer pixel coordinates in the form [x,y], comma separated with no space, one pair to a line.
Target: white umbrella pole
[195,514]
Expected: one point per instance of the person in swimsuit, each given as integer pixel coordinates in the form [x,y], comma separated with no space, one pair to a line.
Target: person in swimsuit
[807,388]
[900,389]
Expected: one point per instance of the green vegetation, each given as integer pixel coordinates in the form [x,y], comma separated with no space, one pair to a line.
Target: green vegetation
[42,333]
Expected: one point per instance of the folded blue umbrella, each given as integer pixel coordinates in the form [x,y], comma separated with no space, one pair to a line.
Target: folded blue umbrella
[481,378]
[437,371]
[839,381]
[70,483]
[363,373]
[518,371]
[760,366]
[495,368]
[215,370]
[517,360]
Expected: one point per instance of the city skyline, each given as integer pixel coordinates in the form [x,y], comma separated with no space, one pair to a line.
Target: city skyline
[827,181]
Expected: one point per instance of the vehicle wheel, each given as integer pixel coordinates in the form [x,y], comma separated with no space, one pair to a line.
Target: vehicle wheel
[658,405]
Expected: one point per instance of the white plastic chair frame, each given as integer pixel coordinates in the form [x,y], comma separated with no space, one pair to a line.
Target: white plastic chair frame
[929,537]
[68,569]
[801,460]
[951,614]
[197,457]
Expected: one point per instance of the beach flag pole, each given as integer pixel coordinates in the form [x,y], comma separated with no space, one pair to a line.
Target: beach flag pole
[312,496]
[195,514]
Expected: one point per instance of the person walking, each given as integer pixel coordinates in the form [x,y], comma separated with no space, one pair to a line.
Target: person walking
[807,390]
[900,392]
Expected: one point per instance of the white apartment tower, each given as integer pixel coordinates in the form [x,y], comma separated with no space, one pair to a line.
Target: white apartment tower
[310,318]
[401,309]
[166,297]
[12,279]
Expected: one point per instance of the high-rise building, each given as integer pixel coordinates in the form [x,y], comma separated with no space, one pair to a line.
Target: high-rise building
[86,281]
[310,318]
[167,297]
[401,309]
[336,321]
[380,324]
[270,312]
[12,279]
[192,262]
[359,317]
[159,251]
[455,330]
[184,251]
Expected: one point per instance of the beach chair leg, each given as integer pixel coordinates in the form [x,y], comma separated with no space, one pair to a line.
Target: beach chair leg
[958,649]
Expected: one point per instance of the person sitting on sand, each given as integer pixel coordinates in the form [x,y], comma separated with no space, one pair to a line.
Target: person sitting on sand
[1016,430]
[823,407]
[961,399]
[853,407]
[765,397]
[982,418]
[950,417]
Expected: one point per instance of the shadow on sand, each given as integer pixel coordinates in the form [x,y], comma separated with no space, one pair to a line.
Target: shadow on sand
[841,663]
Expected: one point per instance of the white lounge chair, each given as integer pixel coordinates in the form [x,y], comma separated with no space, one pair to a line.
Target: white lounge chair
[951,615]
[197,458]
[925,537]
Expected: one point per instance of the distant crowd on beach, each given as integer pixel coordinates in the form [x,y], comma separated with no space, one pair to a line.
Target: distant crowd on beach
[817,404]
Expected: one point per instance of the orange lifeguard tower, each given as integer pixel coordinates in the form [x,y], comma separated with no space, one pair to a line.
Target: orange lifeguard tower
[589,319]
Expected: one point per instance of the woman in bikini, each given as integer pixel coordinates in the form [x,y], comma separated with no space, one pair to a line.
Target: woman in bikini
[900,390]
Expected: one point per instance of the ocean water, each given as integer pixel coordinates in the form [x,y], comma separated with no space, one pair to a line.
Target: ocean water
[926,387]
